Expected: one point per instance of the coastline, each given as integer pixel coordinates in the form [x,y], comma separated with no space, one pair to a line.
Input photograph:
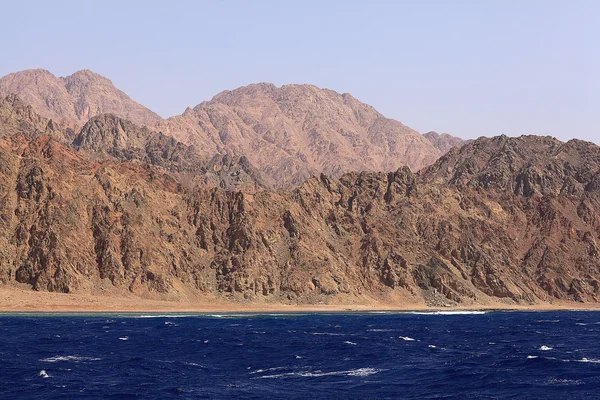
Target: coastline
[16,300]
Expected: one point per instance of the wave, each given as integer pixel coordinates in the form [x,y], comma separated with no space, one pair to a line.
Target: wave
[193,364]
[326,333]
[546,348]
[312,374]
[44,374]
[531,357]
[260,371]
[408,339]
[379,330]
[124,338]
[589,360]
[69,358]
[448,312]
[166,316]
[348,342]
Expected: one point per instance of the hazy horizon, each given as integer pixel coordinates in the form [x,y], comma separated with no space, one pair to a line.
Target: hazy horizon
[465,68]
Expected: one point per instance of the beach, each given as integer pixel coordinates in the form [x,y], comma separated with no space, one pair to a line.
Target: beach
[14,299]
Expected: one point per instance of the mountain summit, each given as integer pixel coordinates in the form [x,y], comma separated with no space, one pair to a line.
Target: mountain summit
[73,100]
[293,131]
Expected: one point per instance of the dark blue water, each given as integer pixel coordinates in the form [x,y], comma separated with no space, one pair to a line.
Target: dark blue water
[498,355]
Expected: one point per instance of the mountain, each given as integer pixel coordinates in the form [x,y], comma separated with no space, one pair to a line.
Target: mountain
[497,221]
[71,101]
[443,141]
[294,131]
[289,133]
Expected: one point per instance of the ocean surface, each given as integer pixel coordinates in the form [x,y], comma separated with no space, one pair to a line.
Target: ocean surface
[492,355]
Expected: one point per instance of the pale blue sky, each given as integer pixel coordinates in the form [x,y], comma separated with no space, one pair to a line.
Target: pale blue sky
[470,68]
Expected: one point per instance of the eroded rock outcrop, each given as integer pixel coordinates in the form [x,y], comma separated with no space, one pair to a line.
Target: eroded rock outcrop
[514,220]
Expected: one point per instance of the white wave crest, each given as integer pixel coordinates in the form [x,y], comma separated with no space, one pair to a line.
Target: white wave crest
[312,374]
[348,342]
[69,358]
[474,312]
[326,333]
[260,371]
[531,357]
[44,374]
[546,348]
[124,338]
[589,360]
[408,339]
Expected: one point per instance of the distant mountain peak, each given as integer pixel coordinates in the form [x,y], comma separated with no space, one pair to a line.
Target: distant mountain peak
[297,130]
[72,100]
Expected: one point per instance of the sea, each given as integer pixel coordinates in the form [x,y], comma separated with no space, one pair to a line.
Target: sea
[373,355]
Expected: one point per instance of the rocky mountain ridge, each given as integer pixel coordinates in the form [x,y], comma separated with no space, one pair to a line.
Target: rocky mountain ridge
[499,220]
[71,101]
[443,141]
[294,131]
[288,132]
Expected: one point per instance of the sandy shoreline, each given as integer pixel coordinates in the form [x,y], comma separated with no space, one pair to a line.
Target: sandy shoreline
[20,300]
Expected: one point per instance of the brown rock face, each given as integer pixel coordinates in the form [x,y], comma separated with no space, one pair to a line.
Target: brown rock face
[443,141]
[294,131]
[71,101]
[515,220]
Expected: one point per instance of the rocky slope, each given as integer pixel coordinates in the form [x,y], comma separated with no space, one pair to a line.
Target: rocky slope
[293,131]
[514,220]
[443,141]
[288,132]
[72,100]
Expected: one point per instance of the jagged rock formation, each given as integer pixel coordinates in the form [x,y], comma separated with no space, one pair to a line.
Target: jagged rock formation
[514,220]
[293,131]
[107,136]
[443,141]
[71,101]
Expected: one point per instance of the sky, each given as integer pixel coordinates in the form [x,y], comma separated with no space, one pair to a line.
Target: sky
[468,68]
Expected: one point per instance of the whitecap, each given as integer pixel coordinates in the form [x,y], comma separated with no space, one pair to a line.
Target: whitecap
[310,374]
[531,357]
[431,346]
[260,371]
[589,360]
[474,312]
[408,339]
[192,364]
[124,338]
[348,342]
[299,357]
[325,333]
[44,374]
[545,348]
[170,323]
[69,358]
[165,316]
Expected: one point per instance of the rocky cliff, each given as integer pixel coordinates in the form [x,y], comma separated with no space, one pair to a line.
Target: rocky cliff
[514,220]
